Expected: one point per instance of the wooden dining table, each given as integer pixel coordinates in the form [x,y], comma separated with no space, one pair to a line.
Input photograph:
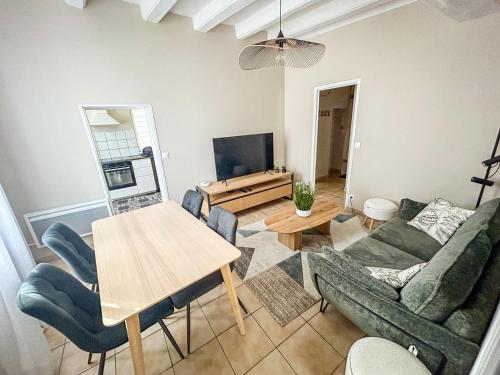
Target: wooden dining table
[146,255]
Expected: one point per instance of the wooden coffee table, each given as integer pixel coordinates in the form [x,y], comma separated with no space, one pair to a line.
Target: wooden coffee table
[290,226]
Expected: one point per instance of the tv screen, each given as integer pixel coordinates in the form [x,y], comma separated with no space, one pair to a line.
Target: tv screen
[242,155]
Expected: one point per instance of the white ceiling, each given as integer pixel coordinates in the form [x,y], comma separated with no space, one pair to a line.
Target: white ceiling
[300,18]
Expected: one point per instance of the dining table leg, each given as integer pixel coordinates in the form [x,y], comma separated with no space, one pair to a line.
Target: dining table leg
[231,291]
[135,341]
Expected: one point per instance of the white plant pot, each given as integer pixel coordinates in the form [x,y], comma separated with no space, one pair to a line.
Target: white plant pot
[302,213]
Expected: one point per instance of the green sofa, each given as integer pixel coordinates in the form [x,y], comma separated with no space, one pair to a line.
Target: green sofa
[444,310]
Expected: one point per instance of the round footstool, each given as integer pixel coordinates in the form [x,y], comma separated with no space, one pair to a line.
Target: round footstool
[376,356]
[379,209]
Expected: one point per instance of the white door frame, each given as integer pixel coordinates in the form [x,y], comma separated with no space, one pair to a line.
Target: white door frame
[316,96]
[148,109]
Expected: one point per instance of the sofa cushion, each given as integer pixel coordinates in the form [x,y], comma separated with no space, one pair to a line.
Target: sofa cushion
[441,219]
[472,319]
[409,208]
[486,217]
[449,277]
[370,252]
[398,233]
[359,273]
[394,277]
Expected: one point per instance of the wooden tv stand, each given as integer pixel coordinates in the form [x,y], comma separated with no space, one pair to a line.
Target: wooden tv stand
[243,192]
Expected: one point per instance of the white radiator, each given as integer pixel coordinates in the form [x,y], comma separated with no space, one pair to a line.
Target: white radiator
[78,217]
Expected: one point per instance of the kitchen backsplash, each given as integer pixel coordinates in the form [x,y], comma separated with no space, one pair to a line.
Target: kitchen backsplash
[116,144]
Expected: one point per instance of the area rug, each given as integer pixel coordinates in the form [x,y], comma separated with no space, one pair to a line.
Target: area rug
[133,203]
[279,277]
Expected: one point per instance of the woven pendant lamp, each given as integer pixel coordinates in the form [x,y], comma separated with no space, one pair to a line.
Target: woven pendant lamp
[288,52]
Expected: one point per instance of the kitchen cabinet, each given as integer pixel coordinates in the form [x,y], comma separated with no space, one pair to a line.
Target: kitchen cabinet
[144,175]
[146,184]
[125,192]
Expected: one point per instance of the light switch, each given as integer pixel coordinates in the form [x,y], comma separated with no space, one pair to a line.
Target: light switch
[357,145]
[165,155]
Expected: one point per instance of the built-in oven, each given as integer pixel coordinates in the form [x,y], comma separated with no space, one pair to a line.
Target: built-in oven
[119,175]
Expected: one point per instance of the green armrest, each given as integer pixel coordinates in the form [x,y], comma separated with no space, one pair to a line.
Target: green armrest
[360,273]
[441,350]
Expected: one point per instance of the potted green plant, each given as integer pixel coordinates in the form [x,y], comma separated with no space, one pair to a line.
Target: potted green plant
[303,197]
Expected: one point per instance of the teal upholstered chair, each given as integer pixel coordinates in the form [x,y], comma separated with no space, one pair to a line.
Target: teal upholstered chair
[224,223]
[63,241]
[60,300]
[444,310]
[192,202]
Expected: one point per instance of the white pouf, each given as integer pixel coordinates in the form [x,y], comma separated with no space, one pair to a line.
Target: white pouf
[377,356]
[379,209]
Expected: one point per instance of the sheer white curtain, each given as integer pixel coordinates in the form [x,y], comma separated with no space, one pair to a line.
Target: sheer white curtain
[23,348]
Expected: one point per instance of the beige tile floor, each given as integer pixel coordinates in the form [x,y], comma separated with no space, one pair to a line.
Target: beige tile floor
[313,343]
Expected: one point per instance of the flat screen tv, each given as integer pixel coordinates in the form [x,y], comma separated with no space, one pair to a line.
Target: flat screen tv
[242,155]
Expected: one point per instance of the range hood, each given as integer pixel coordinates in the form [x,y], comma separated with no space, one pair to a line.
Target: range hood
[99,117]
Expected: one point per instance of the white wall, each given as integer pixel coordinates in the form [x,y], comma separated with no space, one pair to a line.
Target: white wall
[339,133]
[55,57]
[429,107]
[325,129]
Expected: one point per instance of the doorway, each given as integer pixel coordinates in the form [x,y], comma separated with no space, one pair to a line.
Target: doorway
[125,145]
[333,134]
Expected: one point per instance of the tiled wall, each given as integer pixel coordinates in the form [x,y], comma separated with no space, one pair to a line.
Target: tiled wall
[116,144]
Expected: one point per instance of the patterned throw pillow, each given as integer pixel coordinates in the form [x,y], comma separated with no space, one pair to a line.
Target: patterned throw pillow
[396,278]
[440,219]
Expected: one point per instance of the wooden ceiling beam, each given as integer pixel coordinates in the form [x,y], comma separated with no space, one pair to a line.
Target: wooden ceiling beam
[80,4]
[155,10]
[332,15]
[269,15]
[216,12]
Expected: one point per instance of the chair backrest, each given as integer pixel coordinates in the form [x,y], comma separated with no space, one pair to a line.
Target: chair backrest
[73,250]
[55,297]
[224,223]
[192,202]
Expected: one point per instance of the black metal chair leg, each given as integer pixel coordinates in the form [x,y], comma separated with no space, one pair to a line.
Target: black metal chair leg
[171,338]
[243,306]
[188,324]
[321,307]
[97,288]
[101,363]
[90,358]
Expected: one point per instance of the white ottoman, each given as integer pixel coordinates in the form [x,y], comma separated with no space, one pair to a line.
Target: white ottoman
[379,209]
[376,356]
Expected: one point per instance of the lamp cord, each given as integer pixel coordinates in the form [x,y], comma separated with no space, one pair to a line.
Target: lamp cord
[280,15]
